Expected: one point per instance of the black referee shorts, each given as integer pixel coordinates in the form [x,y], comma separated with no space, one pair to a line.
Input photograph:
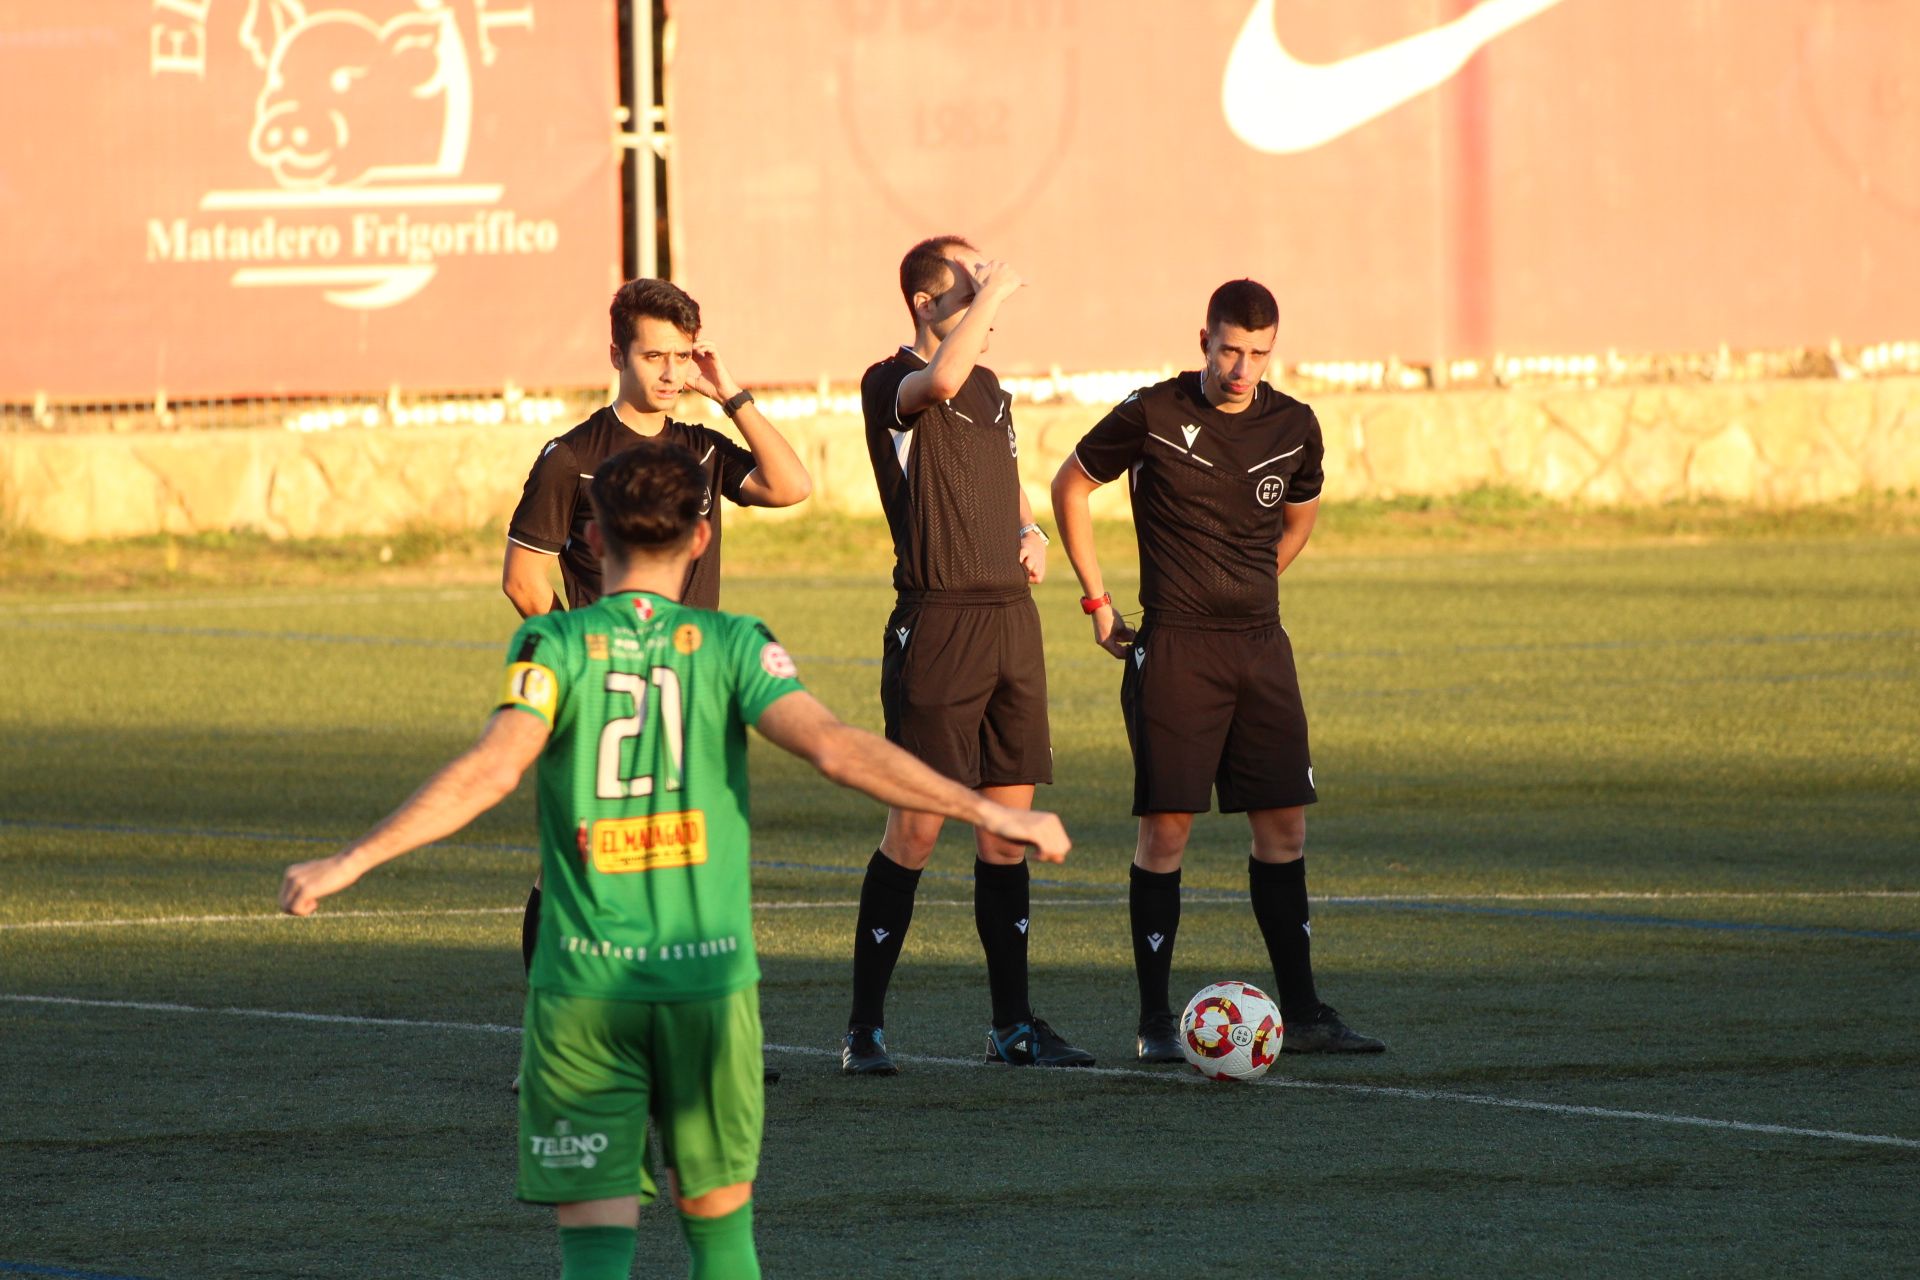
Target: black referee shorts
[1215,708]
[963,686]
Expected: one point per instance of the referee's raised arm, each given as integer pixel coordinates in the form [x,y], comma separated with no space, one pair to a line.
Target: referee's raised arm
[980,287]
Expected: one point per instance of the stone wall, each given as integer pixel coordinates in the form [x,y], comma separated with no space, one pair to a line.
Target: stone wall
[1786,443]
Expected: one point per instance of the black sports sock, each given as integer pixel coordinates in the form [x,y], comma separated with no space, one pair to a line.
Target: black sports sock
[1153,909]
[1279,892]
[530,928]
[1000,914]
[886,909]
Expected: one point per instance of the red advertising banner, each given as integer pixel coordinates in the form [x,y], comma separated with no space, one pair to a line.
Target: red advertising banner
[220,197]
[1433,179]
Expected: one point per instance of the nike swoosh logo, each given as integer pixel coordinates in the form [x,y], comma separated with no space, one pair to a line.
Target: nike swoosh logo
[1277,104]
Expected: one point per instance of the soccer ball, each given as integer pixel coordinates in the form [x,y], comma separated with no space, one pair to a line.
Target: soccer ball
[1231,1031]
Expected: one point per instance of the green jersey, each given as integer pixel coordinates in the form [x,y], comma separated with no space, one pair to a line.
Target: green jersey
[642,791]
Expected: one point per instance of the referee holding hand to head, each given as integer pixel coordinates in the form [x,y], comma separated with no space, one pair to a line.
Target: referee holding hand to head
[963,683]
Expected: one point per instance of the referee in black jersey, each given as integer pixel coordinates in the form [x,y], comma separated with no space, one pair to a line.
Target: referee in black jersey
[658,353]
[1226,484]
[963,682]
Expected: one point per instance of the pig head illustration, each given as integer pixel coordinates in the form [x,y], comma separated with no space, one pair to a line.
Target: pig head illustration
[349,99]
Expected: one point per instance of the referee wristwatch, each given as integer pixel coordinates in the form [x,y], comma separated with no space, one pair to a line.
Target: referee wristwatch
[736,402]
[1026,529]
[1094,604]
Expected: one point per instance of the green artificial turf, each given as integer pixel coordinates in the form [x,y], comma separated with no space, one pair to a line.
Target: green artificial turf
[1620,821]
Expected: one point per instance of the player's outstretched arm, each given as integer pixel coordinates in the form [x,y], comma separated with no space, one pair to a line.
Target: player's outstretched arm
[1072,487]
[472,783]
[865,762]
[991,284]
[779,478]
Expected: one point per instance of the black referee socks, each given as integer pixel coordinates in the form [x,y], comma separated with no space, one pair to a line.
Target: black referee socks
[886,909]
[1000,901]
[1279,892]
[1153,909]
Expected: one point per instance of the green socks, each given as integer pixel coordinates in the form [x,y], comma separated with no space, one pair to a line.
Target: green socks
[597,1253]
[722,1247]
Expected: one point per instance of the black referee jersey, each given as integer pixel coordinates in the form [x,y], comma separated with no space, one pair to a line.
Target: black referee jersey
[948,482]
[1209,491]
[553,512]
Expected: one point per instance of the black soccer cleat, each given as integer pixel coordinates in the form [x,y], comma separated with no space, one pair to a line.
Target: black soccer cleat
[769,1075]
[1323,1032]
[864,1053]
[1033,1043]
[1159,1039]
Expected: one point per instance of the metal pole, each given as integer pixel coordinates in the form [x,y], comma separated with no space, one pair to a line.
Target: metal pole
[640,121]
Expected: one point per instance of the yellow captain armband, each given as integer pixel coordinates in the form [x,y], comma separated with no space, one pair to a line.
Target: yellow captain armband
[532,686]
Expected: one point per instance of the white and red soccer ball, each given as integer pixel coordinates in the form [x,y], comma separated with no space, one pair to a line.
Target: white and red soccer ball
[1231,1031]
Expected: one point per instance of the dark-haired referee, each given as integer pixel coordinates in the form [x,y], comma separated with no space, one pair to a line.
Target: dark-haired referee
[963,682]
[1226,483]
[657,350]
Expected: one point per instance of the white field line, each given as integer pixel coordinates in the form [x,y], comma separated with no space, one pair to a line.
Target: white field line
[1653,895]
[975,1064]
[1197,899]
[247,602]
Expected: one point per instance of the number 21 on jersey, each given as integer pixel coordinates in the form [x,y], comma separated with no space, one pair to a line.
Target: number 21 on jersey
[608,782]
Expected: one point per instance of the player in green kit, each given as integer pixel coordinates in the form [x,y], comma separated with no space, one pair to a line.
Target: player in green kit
[646,1003]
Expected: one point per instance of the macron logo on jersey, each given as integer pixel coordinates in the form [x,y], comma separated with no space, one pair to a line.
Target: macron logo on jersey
[1191,432]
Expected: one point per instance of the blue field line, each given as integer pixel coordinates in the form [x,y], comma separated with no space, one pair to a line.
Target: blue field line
[1582,646]
[67,1273]
[1455,690]
[1043,882]
[1616,682]
[334,637]
[475,846]
[249,633]
[1565,646]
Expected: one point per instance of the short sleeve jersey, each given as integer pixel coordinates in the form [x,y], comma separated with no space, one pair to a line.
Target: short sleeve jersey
[1209,491]
[553,512]
[948,479]
[642,793]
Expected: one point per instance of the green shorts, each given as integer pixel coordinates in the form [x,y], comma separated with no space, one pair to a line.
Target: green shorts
[593,1071]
